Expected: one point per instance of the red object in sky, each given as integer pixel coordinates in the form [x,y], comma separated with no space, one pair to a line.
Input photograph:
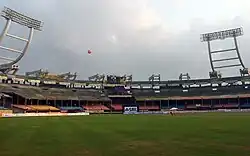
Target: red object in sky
[89,51]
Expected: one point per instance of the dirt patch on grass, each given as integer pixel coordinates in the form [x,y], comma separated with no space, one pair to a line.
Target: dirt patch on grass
[246,148]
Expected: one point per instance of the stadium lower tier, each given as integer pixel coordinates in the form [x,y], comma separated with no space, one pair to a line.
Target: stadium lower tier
[18,108]
[27,99]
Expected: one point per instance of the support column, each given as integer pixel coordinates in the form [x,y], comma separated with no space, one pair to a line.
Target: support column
[4,101]
[5,30]
[238,53]
[210,55]
[17,99]
[238,102]
[111,107]
[219,102]
[247,100]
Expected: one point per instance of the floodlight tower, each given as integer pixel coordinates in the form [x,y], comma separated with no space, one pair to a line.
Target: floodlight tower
[232,33]
[127,79]
[13,16]
[155,79]
[184,76]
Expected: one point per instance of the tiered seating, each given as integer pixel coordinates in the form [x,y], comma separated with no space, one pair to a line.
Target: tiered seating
[155,107]
[23,107]
[191,107]
[71,108]
[165,106]
[245,105]
[2,108]
[218,106]
[231,105]
[180,106]
[36,107]
[117,107]
[96,107]
[5,110]
[206,106]
[43,108]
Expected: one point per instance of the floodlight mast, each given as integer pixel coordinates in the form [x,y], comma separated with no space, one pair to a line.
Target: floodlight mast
[13,16]
[232,33]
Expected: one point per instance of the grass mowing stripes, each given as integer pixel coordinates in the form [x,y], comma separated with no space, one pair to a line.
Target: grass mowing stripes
[222,134]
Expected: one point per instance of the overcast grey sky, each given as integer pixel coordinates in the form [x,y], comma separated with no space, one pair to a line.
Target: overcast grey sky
[138,37]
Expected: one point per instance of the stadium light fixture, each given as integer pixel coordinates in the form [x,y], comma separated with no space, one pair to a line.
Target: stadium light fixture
[21,19]
[222,34]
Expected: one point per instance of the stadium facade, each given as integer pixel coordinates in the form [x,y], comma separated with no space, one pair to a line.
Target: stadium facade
[40,91]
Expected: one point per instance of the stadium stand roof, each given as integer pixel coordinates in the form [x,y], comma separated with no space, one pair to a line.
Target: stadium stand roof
[39,93]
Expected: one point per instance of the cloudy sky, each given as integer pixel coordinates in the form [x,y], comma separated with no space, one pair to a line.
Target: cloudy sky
[139,37]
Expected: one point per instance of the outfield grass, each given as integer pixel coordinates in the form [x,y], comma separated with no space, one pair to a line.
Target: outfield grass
[220,134]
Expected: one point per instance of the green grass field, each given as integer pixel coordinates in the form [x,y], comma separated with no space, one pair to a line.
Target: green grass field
[219,134]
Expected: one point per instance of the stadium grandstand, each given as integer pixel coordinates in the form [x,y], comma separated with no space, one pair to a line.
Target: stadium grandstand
[40,91]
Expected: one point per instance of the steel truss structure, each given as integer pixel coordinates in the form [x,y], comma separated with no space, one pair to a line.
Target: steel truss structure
[184,76]
[232,33]
[44,74]
[13,16]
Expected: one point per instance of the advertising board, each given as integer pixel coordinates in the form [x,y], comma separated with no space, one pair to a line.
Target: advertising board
[130,109]
[42,114]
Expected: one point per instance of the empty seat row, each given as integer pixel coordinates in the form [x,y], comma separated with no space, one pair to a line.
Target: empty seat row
[117,107]
[96,107]
[36,107]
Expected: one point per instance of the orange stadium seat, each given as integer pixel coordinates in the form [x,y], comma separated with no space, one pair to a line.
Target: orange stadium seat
[156,107]
[117,107]
[23,107]
[96,107]
[43,108]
